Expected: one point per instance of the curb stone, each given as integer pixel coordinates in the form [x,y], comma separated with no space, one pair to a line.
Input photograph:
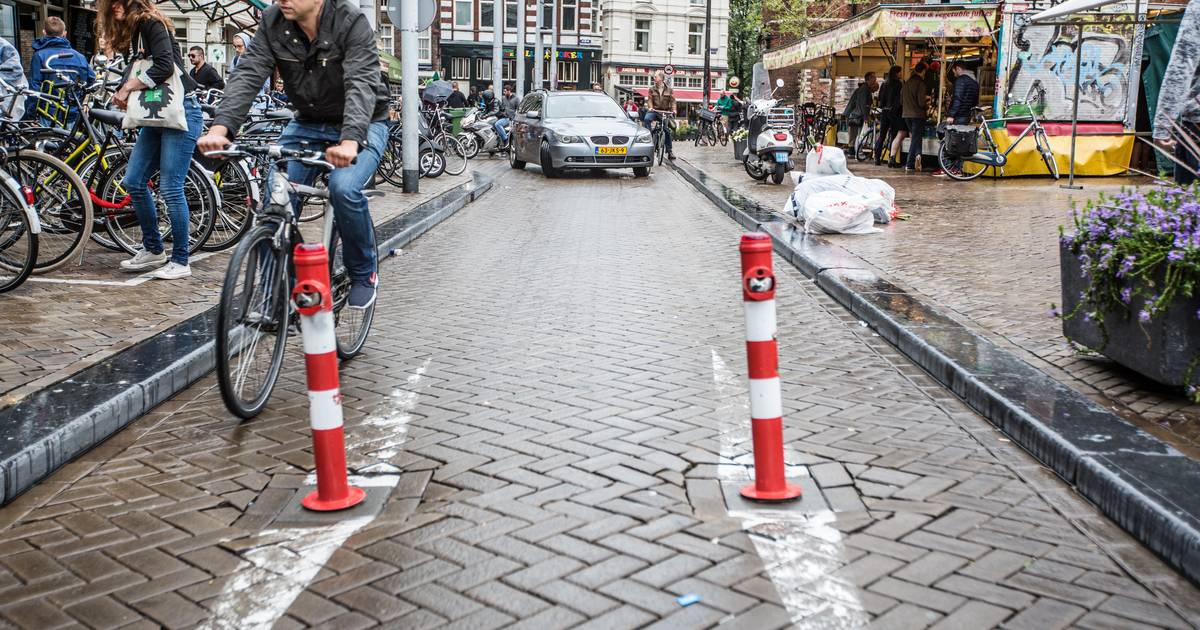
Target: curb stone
[64,420]
[1141,483]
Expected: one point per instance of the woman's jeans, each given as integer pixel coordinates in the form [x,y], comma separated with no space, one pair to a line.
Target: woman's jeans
[169,153]
[916,134]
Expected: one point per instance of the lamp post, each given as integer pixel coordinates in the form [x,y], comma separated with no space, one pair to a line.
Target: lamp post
[707,52]
[538,51]
[497,47]
[519,63]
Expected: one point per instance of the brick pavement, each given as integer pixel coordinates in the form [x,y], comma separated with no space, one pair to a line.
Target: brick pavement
[558,413]
[1006,286]
[62,322]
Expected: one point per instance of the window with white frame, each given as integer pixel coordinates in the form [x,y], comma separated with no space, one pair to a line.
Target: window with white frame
[641,35]
[569,16]
[460,68]
[462,13]
[387,39]
[545,71]
[483,69]
[695,38]
[510,69]
[424,47]
[595,69]
[547,14]
[510,14]
[568,72]
[486,11]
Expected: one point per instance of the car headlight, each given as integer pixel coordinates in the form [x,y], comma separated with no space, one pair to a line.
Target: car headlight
[569,139]
[644,137]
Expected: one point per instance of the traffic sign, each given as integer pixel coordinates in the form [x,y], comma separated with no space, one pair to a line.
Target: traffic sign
[669,70]
[426,12]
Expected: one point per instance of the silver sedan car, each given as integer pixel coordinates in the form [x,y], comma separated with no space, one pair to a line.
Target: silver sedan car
[578,130]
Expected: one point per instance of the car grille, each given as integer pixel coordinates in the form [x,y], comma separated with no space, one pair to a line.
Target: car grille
[620,139]
[610,159]
[599,139]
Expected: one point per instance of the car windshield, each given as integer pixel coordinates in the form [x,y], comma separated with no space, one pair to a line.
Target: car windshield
[583,106]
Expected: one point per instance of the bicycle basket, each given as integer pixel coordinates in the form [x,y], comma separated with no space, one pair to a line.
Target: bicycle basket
[708,115]
[961,140]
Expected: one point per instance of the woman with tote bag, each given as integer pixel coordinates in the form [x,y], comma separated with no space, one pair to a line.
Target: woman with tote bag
[156,95]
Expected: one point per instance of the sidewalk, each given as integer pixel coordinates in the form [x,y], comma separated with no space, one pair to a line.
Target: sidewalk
[564,424]
[987,253]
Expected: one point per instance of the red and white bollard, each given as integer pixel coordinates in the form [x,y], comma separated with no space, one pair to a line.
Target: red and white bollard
[766,401]
[314,302]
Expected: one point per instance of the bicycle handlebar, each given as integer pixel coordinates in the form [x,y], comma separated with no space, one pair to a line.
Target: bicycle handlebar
[274,152]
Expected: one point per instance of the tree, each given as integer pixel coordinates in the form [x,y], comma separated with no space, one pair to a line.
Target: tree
[745,25]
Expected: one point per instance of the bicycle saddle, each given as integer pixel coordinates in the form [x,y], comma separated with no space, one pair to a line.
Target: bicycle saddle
[107,116]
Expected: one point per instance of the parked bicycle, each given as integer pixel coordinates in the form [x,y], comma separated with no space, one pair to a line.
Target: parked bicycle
[961,144]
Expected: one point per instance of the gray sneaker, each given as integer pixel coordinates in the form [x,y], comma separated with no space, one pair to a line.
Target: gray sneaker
[362,293]
[145,260]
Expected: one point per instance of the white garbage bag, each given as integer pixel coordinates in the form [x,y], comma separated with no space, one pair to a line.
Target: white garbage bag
[835,212]
[823,160]
[811,185]
[876,195]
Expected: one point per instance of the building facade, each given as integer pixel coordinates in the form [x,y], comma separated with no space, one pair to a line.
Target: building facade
[465,42]
[642,37]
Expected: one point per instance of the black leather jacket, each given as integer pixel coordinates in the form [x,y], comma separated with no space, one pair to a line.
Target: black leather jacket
[335,79]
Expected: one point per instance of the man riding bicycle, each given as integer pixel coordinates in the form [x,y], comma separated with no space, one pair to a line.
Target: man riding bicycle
[661,103]
[326,53]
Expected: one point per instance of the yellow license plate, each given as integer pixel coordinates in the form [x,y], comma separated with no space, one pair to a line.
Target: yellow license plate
[611,150]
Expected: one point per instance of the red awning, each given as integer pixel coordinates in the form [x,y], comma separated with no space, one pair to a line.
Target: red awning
[684,96]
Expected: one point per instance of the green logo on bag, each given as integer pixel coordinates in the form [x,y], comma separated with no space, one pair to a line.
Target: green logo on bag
[152,95]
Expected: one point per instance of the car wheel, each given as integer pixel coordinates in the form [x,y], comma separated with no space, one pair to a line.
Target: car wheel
[641,171]
[514,162]
[547,165]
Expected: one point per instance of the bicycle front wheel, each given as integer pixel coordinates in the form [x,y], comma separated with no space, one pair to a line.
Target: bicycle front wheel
[18,243]
[239,198]
[252,322]
[1043,145]
[456,157]
[352,324]
[722,134]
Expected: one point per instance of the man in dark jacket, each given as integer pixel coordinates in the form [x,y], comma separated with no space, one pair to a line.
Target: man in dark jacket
[326,54]
[65,58]
[202,72]
[858,110]
[456,98]
[913,106]
[890,120]
[965,97]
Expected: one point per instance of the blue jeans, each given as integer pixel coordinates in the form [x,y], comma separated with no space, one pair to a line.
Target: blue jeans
[169,153]
[346,185]
[916,133]
[652,116]
[501,126]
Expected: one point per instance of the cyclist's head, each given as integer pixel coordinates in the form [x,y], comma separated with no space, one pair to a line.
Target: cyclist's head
[658,77]
[300,10]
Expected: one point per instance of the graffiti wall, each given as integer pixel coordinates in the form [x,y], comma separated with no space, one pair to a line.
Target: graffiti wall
[1042,57]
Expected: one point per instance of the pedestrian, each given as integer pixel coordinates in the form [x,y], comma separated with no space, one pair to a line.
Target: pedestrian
[963,100]
[858,110]
[631,106]
[913,106]
[890,120]
[341,107]
[596,87]
[507,110]
[14,75]
[139,26]
[241,43]
[53,48]
[1179,97]
[662,103]
[456,98]
[473,97]
[202,72]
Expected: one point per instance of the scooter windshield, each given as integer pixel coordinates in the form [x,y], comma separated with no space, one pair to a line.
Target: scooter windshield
[760,86]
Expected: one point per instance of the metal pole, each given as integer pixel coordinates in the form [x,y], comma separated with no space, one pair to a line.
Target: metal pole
[497,47]
[522,12]
[707,52]
[1075,106]
[539,52]
[408,89]
[554,44]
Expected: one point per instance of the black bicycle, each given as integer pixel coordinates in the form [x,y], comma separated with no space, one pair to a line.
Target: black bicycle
[255,312]
[660,127]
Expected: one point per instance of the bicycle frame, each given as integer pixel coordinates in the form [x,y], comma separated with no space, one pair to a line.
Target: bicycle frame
[994,157]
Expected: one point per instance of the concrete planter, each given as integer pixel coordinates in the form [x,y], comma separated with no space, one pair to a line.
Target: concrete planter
[1160,349]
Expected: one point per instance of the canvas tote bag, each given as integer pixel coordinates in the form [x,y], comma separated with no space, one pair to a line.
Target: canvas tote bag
[159,106]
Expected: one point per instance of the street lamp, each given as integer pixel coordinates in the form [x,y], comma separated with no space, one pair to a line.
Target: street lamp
[670,53]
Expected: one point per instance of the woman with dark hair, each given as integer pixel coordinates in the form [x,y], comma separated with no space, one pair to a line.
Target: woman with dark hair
[890,121]
[139,30]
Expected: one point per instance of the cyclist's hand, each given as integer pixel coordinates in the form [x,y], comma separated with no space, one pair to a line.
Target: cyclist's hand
[343,154]
[1166,143]
[214,140]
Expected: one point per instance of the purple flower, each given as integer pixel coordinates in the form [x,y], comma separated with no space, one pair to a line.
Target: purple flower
[1144,316]
[1175,255]
[1054,311]
[1127,296]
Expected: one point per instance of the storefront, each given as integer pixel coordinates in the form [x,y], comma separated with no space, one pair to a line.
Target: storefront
[687,84]
[470,64]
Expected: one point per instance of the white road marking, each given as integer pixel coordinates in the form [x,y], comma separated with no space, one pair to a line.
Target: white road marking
[132,282]
[800,551]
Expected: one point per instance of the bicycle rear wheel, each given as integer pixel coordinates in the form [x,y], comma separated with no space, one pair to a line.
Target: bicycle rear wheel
[352,324]
[252,322]
[722,134]
[455,155]
[866,145]
[239,198]
[954,166]
[390,163]
[18,243]
[63,205]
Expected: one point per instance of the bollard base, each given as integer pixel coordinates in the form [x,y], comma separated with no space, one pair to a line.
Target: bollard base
[353,497]
[787,493]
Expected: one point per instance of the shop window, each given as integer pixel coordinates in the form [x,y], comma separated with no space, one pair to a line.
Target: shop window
[462,13]
[568,72]
[460,68]
[483,69]
[595,70]
[568,14]
[510,69]
[695,38]
[641,35]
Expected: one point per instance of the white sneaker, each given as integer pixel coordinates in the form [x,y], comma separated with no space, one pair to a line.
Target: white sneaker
[173,271]
[145,260]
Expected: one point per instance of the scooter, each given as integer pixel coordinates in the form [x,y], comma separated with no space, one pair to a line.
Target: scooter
[769,150]
[479,134]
